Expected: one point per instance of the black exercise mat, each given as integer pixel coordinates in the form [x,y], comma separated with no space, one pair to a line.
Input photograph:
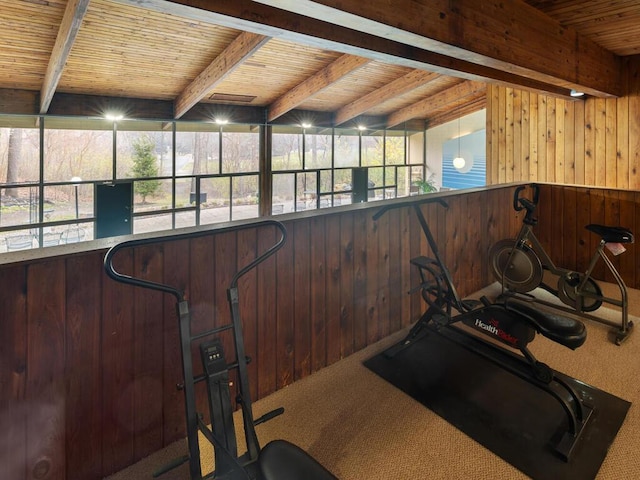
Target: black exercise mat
[506,414]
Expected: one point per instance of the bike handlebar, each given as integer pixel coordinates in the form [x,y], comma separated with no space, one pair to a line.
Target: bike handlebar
[176,292]
[520,203]
[409,203]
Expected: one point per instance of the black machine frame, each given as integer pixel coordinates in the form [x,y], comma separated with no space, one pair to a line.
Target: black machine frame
[510,322]
[278,459]
[519,265]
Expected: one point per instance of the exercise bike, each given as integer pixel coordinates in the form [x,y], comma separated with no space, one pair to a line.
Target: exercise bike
[521,263]
[279,459]
[510,322]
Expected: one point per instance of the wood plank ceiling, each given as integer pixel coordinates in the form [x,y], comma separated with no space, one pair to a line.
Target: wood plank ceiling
[234,52]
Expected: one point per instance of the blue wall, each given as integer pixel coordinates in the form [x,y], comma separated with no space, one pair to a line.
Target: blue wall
[471,146]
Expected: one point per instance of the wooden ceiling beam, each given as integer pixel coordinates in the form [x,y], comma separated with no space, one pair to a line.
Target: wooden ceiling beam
[442,117]
[400,86]
[254,17]
[313,85]
[69,26]
[454,96]
[243,47]
[509,35]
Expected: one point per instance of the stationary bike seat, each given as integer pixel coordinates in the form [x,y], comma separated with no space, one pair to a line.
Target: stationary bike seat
[611,234]
[569,332]
[281,460]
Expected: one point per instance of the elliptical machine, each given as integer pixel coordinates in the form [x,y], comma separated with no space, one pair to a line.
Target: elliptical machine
[279,459]
[509,322]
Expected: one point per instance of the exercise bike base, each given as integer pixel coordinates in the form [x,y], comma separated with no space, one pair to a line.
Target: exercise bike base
[621,335]
[507,415]
[577,413]
[568,442]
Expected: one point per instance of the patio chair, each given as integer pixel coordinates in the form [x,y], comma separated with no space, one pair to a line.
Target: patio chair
[73,235]
[50,239]
[19,242]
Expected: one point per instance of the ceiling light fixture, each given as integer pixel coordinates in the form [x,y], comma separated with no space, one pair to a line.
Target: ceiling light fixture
[113,116]
[221,121]
[575,93]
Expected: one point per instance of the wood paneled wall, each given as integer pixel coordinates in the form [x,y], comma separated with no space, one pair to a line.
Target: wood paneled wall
[89,367]
[593,142]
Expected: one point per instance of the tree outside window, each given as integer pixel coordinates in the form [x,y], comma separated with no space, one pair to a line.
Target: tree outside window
[145,165]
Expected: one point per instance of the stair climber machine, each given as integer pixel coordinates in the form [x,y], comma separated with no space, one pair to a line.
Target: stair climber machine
[279,459]
[508,322]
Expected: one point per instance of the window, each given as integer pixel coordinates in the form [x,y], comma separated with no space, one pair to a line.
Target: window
[77,149]
[184,173]
[465,138]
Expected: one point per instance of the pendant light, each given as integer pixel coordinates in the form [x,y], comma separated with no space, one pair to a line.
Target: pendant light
[459,162]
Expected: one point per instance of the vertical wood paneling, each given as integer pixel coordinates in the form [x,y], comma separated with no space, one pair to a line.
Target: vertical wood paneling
[628,212]
[302,292]
[248,296]
[318,297]
[13,372]
[525,140]
[612,217]
[370,299]
[516,127]
[395,278]
[569,238]
[634,125]
[347,300]
[542,138]
[413,245]
[622,144]
[475,251]
[600,154]
[579,144]
[285,341]
[219,280]
[583,218]
[569,152]
[452,240]
[332,233]
[591,141]
[508,136]
[360,258]
[501,139]
[207,300]
[383,275]
[544,215]
[533,136]
[176,271]
[83,279]
[597,212]
[267,321]
[492,130]
[45,388]
[611,157]
[560,141]
[550,140]
[558,219]
[147,353]
[117,374]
